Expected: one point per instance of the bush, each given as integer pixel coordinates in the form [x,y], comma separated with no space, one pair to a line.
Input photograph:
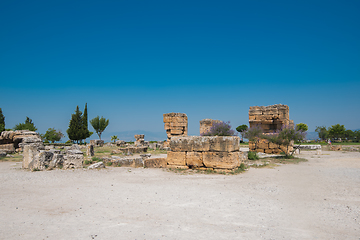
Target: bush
[87,162]
[220,129]
[253,155]
[96,159]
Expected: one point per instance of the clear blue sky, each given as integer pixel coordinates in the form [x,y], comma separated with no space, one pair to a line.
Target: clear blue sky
[132,61]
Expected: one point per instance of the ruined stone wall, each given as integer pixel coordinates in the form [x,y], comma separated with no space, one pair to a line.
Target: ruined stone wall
[215,153]
[206,124]
[176,124]
[269,119]
[11,141]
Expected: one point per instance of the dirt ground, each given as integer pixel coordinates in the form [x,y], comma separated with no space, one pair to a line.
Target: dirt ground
[318,199]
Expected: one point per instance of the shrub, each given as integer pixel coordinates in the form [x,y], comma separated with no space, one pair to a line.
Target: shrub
[96,159]
[87,162]
[220,129]
[252,155]
[109,164]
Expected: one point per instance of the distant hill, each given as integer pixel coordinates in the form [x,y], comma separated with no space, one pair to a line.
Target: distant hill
[312,135]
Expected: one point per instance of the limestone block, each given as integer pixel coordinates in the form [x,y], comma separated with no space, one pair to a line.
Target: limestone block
[41,160]
[273,145]
[73,159]
[224,160]
[8,148]
[224,144]
[252,117]
[155,163]
[263,144]
[190,144]
[178,167]
[90,150]
[176,131]
[194,159]
[176,158]
[251,145]
[97,165]
[29,154]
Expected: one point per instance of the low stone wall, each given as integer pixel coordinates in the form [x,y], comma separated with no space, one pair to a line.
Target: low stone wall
[311,147]
[264,146]
[205,152]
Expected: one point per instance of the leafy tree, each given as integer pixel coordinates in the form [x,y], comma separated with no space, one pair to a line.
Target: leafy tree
[2,122]
[302,127]
[285,137]
[114,138]
[241,129]
[75,126]
[99,124]
[52,135]
[322,132]
[349,135]
[357,135]
[28,125]
[220,129]
[337,131]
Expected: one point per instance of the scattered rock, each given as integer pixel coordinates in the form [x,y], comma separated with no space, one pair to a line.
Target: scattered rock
[97,165]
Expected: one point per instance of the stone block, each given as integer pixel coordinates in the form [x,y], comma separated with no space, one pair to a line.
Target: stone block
[8,148]
[178,167]
[224,143]
[176,158]
[190,144]
[223,160]
[176,132]
[90,150]
[41,160]
[29,154]
[155,163]
[194,159]
[73,159]
[263,144]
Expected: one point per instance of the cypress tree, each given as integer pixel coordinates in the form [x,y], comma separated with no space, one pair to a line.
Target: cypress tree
[86,132]
[2,121]
[74,131]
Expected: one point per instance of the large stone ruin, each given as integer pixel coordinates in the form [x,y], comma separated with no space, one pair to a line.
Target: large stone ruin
[139,146]
[206,124]
[269,119]
[14,141]
[176,125]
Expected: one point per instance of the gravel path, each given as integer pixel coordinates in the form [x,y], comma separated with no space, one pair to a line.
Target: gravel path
[318,199]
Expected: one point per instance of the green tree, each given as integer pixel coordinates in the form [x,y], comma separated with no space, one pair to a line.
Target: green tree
[114,138]
[322,132]
[302,127]
[285,137]
[241,129]
[85,131]
[337,131]
[357,135]
[254,134]
[2,122]
[99,124]
[349,135]
[52,135]
[75,126]
[28,125]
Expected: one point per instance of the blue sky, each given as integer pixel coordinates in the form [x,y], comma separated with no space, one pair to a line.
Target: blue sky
[132,61]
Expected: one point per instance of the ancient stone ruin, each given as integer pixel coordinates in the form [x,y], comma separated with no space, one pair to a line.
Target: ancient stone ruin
[196,152]
[269,119]
[97,143]
[139,146]
[206,124]
[176,124]
[14,141]
[139,140]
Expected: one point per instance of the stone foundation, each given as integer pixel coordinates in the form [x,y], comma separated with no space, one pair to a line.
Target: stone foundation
[204,152]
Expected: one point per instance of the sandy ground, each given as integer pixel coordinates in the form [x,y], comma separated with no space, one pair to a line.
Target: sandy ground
[318,199]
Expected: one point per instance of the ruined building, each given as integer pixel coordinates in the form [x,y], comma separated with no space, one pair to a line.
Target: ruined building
[269,119]
[176,125]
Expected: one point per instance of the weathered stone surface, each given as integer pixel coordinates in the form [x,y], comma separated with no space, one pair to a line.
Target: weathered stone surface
[132,149]
[176,158]
[155,163]
[73,159]
[29,154]
[97,143]
[75,147]
[224,160]
[128,162]
[3,154]
[97,165]
[120,143]
[336,148]
[203,144]
[175,124]
[41,160]
[194,159]
[7,148]
[90,150]
[178,167]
